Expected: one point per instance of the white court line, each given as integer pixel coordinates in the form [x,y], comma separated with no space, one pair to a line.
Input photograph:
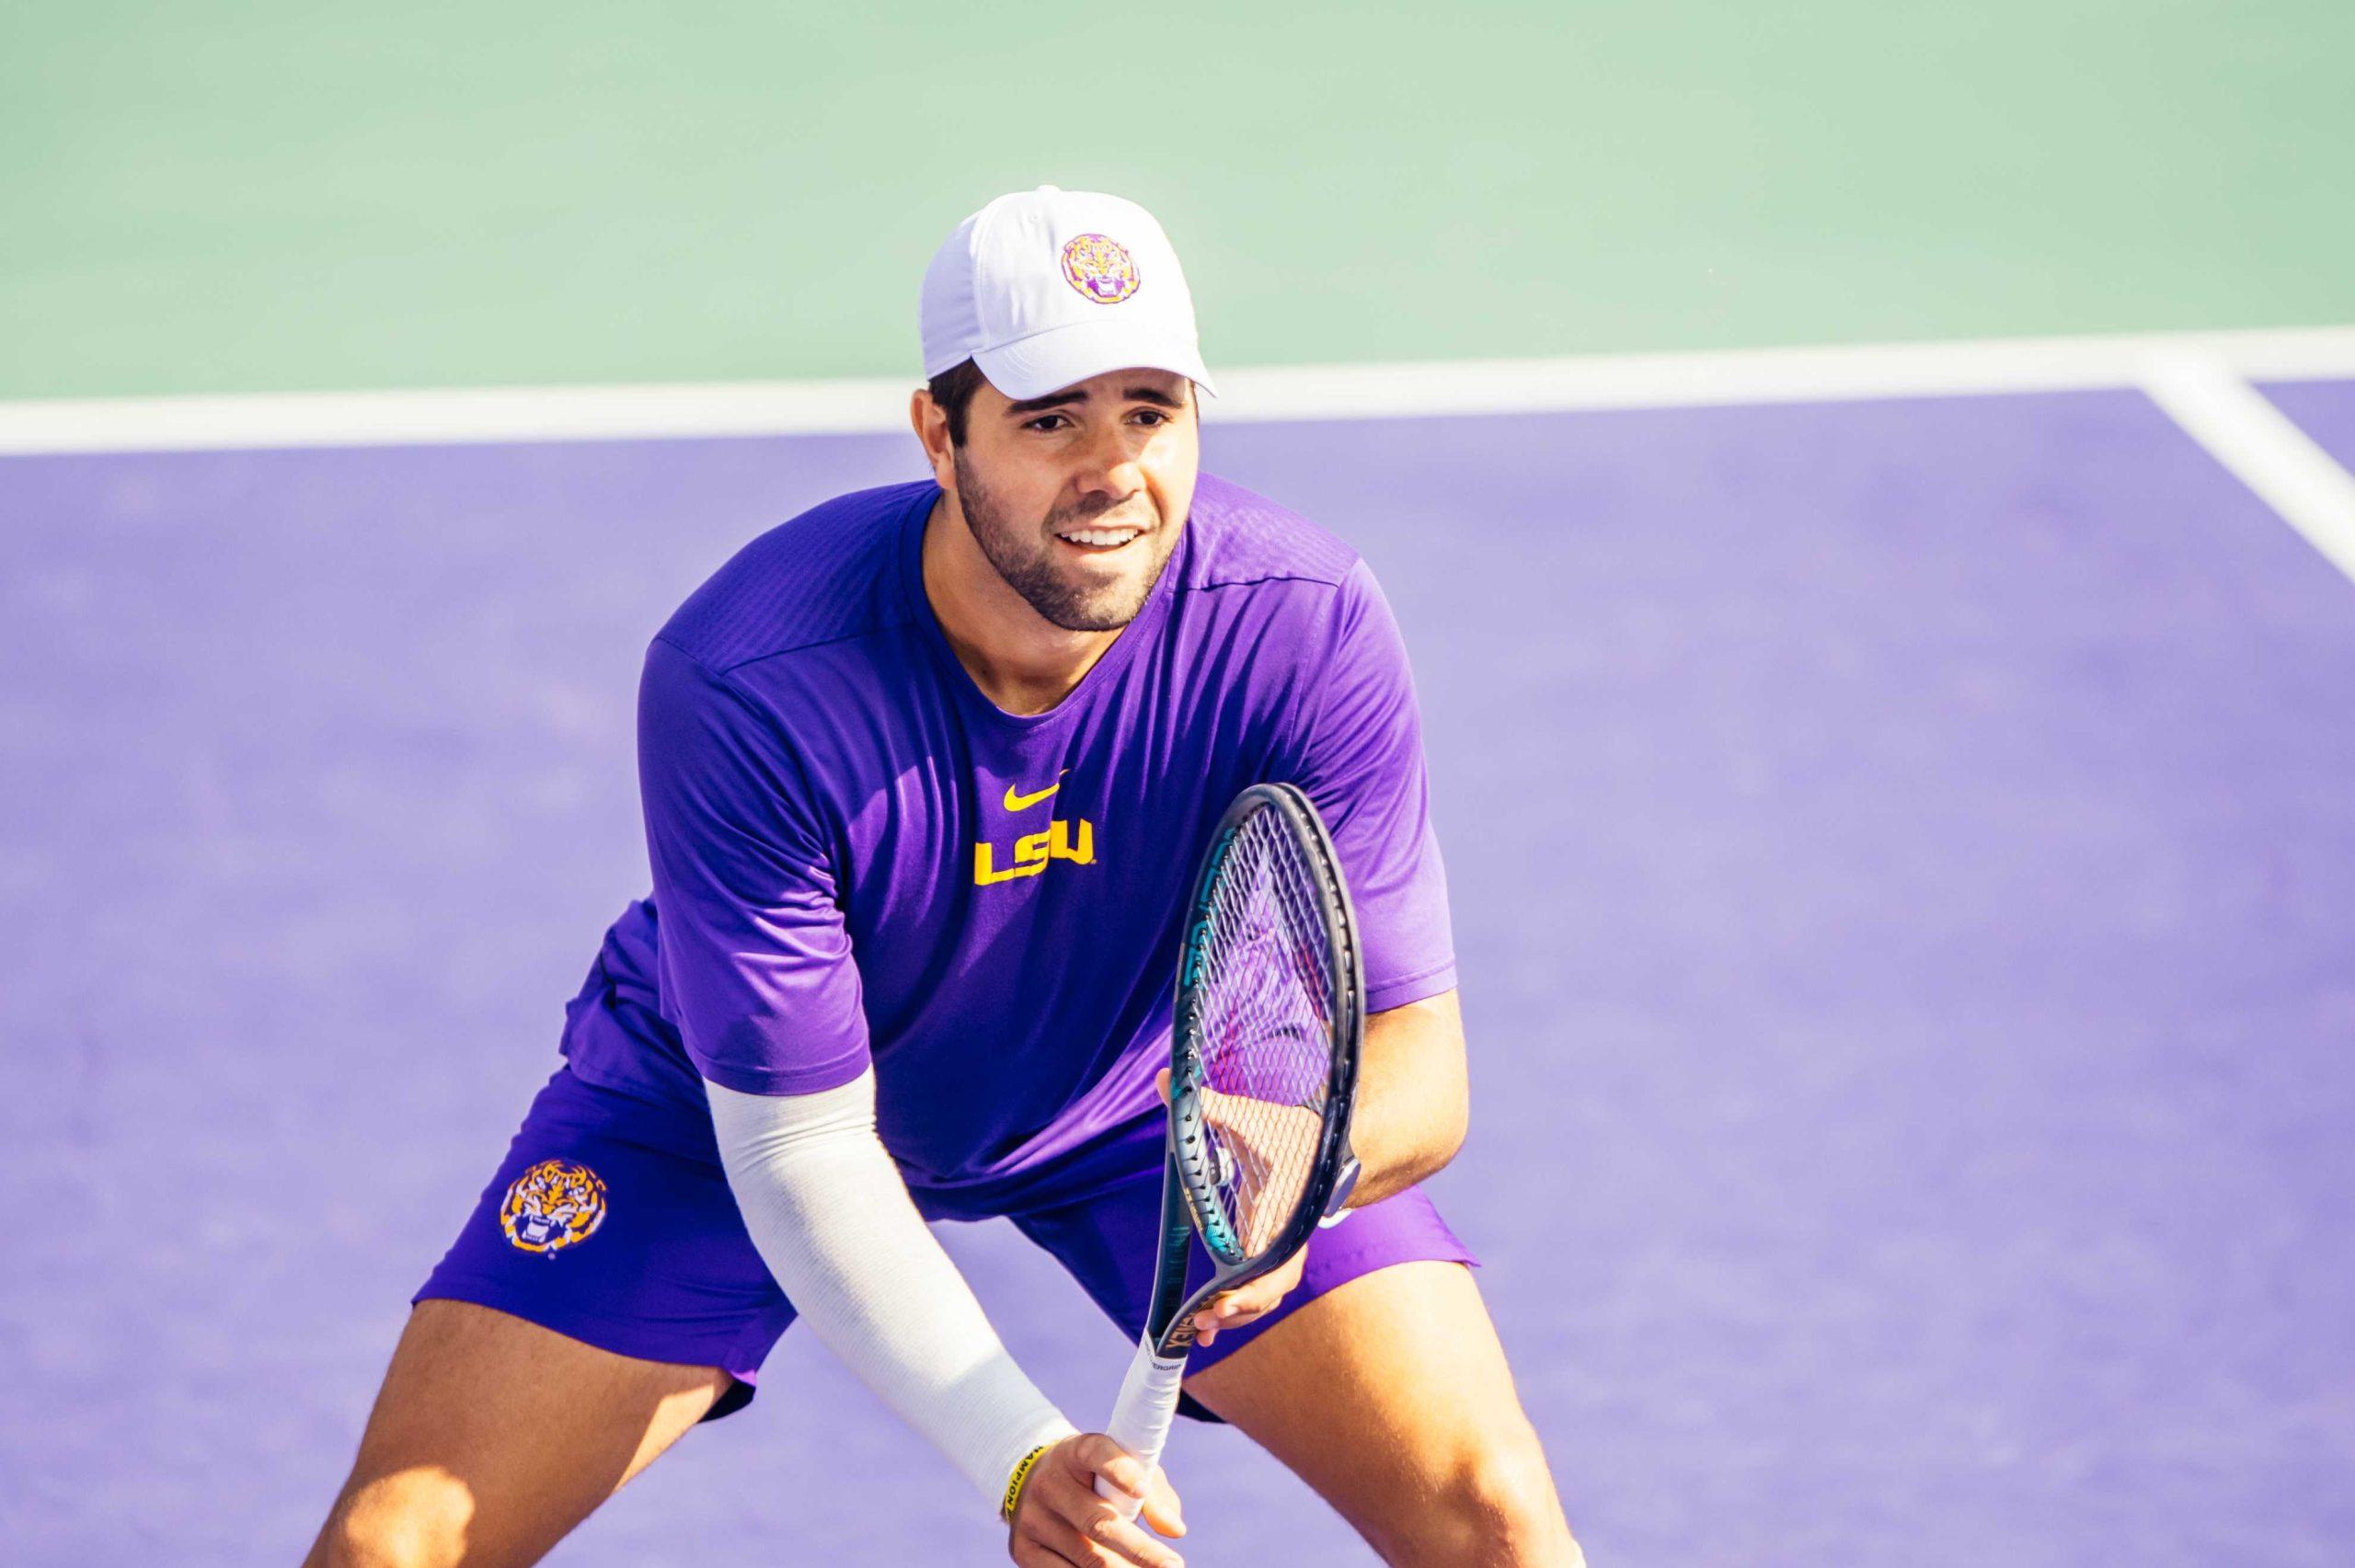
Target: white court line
[2261,446]
[1290,392]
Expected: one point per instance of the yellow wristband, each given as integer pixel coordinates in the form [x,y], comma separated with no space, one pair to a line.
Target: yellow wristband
[1013,1482]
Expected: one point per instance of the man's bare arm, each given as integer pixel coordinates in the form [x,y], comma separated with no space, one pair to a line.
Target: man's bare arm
[1414,1096]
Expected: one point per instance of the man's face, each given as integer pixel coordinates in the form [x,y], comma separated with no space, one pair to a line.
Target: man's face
[1077,497]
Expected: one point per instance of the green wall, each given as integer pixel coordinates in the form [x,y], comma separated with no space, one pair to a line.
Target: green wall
[277,195]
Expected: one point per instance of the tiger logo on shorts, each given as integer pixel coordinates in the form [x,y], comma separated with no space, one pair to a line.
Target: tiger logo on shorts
[1100,268]
[553,1206]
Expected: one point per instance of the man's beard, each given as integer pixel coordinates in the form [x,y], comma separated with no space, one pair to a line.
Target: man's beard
[1025,558]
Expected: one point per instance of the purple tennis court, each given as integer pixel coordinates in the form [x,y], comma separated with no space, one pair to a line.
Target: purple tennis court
[1903,864]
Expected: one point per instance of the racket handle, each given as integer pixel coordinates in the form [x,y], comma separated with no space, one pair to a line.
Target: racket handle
[1141,1417]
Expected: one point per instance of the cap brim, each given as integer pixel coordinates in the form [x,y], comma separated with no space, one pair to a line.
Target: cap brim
[1064,356]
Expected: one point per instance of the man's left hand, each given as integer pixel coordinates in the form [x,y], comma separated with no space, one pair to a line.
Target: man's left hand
[1250,1302]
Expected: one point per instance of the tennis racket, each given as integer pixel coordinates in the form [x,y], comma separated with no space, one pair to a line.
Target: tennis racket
[1271,1011]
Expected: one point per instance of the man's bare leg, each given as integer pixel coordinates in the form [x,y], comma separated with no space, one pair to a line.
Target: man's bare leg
[493,1437]
[1391,1397]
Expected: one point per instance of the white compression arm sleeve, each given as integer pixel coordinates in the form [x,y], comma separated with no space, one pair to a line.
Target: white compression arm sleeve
[834,1222]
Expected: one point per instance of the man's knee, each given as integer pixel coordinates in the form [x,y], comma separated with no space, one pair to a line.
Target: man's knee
[415,1518]
[1496,1506]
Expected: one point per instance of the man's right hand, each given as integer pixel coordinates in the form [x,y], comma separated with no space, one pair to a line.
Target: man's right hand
[1060,1520]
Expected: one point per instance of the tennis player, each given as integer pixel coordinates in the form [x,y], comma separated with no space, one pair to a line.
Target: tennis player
[926,774]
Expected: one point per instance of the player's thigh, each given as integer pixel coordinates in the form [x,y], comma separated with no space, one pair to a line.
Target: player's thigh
[1391,1397]
[493,1437]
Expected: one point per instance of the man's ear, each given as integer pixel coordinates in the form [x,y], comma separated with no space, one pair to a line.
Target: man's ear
[931,425]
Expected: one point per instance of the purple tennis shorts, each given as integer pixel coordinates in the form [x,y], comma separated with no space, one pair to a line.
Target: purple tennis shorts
[611,1222]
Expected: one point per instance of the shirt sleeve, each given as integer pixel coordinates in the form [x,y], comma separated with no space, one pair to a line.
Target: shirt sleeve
[754,965]
[1363,768]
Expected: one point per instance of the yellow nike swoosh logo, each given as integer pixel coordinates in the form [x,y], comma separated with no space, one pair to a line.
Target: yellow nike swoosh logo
[1017,801]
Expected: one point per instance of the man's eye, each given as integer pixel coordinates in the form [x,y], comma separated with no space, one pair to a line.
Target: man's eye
[1157,416]
[1042,422]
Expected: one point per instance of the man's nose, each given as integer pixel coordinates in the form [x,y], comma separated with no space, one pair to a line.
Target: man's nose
[1108,464]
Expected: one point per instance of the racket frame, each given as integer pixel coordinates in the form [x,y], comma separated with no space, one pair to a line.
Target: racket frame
[1149,1393]
[1188,1192]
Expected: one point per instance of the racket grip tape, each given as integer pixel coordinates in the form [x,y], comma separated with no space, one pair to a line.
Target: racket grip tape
[1141,1417]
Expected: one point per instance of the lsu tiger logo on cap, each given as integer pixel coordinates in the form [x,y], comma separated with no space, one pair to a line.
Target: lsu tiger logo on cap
[1100,268]
[553,1206]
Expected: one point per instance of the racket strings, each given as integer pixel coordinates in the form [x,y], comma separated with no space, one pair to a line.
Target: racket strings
[1267,1024]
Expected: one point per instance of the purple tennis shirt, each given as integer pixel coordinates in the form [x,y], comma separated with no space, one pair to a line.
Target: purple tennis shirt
[859,859]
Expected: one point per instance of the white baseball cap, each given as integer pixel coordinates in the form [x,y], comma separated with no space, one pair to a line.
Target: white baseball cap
[1045,288]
